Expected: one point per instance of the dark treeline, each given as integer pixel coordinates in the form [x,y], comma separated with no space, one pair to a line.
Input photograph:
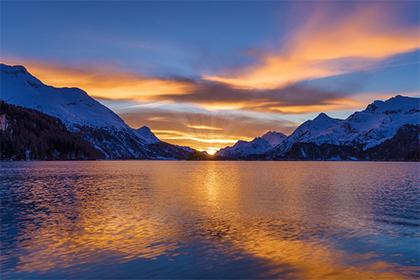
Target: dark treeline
[27,134]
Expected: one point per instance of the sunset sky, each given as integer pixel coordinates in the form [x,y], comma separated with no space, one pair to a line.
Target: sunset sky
[205,74]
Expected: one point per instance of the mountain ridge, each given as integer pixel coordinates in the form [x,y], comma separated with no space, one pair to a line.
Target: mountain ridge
[364,135]
[257,146]
[82,114]
[361,132]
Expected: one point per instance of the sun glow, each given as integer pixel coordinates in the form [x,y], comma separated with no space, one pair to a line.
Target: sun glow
[212,150]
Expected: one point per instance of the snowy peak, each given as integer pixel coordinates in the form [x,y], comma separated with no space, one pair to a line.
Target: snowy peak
[323,121]
[91,120]
[15,69]
[73,106]
[274,137]
[257,146]
[377,123]
[317,130]
[382,119]
[396,104]
[322,117]
[146,134]
[19,72]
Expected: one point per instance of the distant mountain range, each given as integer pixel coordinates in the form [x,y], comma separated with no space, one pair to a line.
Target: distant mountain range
[385,130]
[258,146]
[38,121]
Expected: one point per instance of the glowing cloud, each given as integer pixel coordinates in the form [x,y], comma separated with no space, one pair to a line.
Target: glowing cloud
[204,127]
[102,81]
[323,48]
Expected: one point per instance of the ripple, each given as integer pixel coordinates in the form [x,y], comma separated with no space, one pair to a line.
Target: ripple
[125,219]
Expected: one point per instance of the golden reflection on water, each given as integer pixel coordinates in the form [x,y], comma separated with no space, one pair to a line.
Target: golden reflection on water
[111,221]
[135,210]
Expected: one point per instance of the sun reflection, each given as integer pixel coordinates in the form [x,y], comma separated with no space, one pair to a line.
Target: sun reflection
[131,211]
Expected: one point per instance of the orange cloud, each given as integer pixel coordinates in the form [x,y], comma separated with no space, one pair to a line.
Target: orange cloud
[105,82]
[204,127]
[102,81]
[317,47]
[204,130]
[333,105]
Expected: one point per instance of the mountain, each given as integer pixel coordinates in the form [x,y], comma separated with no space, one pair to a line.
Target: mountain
[27,134]
[377,123]
[146,135]
[258,146]
[382,119]
[81,114]
[73,106]
[164,150]
[357,135]
[403,146]
[385,130]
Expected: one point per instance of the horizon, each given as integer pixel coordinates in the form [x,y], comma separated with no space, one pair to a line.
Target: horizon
[205,82]
[213,151]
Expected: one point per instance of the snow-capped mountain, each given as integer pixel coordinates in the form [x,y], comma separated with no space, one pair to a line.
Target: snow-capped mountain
[370,127]
[73,106]
[274,138]
[382,125]
[146,135]
[81,114]
[84,116]
[381,120]
[257,146]
[363,130]
[319,130]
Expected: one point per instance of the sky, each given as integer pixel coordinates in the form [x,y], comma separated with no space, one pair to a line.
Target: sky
[207,73]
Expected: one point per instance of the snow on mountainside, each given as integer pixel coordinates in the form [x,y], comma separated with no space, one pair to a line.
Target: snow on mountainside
[146,134]
[361,131]
[95,123]
[72,105]
[82,114]
[257,146]
[382,119]
[379,122]
[319,130]
[274,138]
[370,127]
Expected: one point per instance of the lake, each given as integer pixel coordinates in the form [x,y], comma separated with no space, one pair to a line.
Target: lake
[210,219]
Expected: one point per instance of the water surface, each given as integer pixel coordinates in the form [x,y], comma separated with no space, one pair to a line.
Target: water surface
[157,219]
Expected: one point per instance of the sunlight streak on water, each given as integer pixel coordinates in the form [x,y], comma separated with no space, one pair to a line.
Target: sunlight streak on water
[127,219]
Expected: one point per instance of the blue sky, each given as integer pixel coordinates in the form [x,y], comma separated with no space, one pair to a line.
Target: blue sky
[236,68]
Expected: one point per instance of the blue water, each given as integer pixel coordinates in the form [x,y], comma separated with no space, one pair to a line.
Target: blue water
[171,219]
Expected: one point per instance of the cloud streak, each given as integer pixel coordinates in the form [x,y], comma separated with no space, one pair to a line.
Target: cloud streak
[203,129]
[104,81]
[324,47]
[293,98]
[107,83]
